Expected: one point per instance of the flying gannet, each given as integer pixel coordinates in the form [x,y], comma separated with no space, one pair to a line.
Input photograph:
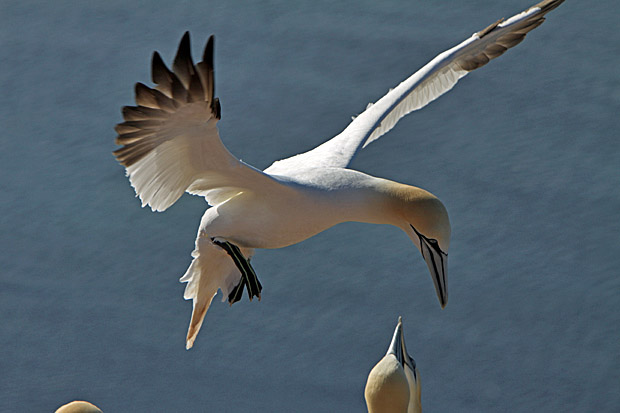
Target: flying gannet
[171,145]
[394,384]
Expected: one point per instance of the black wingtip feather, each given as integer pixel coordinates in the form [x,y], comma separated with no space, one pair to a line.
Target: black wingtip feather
[154,99]
[209,76]
[216,108]
[184,84]
[160,74]
[183,65]
[548,5]
[207,55]
[142,113]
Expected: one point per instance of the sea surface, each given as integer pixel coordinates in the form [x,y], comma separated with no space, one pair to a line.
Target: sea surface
[524,153]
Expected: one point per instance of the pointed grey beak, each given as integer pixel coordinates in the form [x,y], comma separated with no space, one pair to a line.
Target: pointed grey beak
[437,262]
[398,348]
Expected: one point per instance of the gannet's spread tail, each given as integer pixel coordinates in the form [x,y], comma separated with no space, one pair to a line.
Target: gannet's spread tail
[171,145]
[394,383]
[210,270]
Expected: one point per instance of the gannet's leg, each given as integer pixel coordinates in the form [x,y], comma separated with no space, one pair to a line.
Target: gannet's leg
[237,292]
[248,276]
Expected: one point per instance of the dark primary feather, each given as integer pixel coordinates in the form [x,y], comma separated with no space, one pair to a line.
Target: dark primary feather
[508,40]
[161,76]
[205,70]
[548,5]
[184,84]
[183,66]
[154,99]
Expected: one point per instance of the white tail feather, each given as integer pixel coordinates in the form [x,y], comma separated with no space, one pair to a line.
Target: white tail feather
[211,269]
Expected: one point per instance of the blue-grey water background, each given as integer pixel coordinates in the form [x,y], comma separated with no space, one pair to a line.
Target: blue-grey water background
[524,153]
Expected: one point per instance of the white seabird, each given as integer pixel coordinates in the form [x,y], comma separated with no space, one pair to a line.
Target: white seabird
[394,384]
[171,145]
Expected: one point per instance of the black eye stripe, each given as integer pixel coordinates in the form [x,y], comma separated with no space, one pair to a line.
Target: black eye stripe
[435,246]
[430,242]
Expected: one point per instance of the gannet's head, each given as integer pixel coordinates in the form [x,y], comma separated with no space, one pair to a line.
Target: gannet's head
[394,383]
[424,218]
[78,406]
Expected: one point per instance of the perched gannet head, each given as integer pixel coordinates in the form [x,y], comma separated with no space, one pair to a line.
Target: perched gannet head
[78,407]
[394,383]
[424,218]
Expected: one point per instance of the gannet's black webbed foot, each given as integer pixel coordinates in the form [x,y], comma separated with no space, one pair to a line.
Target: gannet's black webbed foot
[248,276]
[236,292]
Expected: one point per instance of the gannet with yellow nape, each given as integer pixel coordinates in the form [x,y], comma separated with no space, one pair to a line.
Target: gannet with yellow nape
[171,145]
[394,383]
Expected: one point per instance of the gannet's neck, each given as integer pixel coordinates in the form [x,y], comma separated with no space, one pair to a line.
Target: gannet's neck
[387,389]
[329,196]
[355,196]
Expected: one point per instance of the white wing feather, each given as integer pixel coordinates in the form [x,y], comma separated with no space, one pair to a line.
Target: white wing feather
[171,142]
[427,84]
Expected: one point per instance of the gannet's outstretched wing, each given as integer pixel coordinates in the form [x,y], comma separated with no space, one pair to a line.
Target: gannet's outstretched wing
[170,139]
[424,86]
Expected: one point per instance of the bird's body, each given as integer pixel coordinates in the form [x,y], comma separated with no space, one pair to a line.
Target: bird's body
[171,145]
[311,201]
